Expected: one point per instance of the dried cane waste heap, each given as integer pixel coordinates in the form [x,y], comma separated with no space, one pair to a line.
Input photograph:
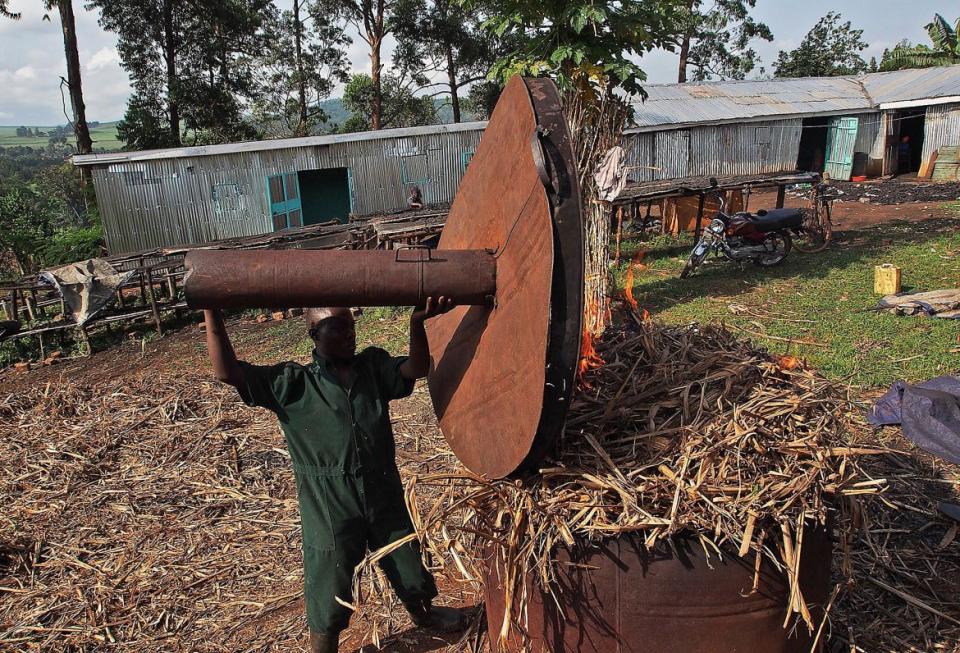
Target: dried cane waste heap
[674,430]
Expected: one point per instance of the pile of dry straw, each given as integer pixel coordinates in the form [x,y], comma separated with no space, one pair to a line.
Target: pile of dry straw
[681,430]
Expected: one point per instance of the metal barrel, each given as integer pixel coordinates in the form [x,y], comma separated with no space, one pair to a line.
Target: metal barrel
[619,596]
[304,278]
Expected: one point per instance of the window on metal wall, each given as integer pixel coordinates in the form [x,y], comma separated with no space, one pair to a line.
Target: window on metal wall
[226,198]
[465,159]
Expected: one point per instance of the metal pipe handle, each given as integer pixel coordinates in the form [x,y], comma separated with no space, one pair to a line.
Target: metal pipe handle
[304,278]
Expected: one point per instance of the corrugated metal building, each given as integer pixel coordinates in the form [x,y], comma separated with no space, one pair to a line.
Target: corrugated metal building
[198,194]
[844,125]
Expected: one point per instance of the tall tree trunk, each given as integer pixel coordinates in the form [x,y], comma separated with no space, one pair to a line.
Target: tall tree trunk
[170,54]
[376,40]
[80,129]
[301,128]
[685,45]
[452,80]
[377,91]
[684,53]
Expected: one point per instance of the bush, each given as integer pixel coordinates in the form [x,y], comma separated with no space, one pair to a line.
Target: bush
[76,244]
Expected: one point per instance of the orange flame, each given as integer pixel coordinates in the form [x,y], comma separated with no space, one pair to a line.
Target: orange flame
[635,265]
[788,362]
[589,358]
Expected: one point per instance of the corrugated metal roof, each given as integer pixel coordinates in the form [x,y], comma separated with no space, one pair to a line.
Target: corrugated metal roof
[276,144]
[918,84]
[718,102]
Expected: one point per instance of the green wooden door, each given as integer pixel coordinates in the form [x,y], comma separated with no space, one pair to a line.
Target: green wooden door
[283,193]
[841,137]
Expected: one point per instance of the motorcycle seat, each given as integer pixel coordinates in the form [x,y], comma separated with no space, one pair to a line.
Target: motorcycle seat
[775,219]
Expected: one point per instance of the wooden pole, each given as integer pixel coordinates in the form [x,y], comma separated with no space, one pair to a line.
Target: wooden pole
[153,303]
[699,227]
[781,195]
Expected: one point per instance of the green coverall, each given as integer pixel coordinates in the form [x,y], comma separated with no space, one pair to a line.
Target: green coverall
[343,453]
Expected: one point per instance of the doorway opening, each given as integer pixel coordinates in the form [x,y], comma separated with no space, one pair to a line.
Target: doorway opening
[325,195]
[813,144]
[910,140]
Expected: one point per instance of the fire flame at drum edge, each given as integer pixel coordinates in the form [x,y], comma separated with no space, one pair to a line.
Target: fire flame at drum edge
[589,358]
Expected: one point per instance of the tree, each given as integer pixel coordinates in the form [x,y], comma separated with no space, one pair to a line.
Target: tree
[399,106]
[73,81]
[191,65]
[590,49]
[24,132]
[5,11]
[582,44]
[302,62]
[945,50]
[373,21]
[828,50]
[442,37]
[716,40]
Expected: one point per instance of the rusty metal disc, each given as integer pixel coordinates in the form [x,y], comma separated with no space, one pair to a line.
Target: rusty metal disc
[501,377]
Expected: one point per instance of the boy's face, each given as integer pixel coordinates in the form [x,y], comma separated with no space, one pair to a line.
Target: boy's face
[333,332]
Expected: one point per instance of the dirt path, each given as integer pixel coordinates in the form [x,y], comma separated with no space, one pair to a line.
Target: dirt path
[857,215]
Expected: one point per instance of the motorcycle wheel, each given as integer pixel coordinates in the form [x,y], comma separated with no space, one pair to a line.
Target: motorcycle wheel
[778,244]
[693,262]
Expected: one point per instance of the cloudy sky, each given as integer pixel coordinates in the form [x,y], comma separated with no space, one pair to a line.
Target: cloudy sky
[31,51]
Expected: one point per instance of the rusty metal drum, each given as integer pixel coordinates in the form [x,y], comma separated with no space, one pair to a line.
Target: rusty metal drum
[617,597]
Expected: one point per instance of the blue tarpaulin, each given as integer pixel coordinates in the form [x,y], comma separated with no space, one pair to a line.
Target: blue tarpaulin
[928,412]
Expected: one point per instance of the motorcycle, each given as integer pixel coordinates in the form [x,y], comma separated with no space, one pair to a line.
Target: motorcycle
[763,238]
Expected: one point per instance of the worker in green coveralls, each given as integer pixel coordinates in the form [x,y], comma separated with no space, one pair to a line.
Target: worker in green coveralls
[334,414]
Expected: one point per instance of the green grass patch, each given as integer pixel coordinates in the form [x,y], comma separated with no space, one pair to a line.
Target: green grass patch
[104,137]
[823,298]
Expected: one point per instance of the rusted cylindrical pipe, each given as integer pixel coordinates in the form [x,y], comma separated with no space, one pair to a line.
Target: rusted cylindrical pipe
[291,278]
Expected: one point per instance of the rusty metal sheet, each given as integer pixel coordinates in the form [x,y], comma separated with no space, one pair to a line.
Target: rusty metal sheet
[501,376]
[301,278]
[620,597]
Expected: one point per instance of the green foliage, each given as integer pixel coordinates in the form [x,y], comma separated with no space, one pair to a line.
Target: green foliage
[719,39]
[400,108]
[945,50]
[191,65]
[829,49]
[582,44]
[441,39]
[482,98]
[73,244]
[44,220]
[303,59]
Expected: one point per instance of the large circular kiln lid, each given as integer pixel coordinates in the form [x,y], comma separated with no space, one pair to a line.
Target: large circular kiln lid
[502,376]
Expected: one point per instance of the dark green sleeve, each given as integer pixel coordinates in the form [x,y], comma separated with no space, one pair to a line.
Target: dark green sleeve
[392,384]
[268,386]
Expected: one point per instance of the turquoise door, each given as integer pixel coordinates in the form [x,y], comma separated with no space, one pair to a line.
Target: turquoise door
[841,137]
[283,193]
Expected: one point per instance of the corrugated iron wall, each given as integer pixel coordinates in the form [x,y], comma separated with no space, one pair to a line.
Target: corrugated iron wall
[941,127]
[739,149]
[165,202]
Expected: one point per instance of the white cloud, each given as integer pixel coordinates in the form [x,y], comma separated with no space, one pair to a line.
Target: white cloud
[24,74]
[104,58]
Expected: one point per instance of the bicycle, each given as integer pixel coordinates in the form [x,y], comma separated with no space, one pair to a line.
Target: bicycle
[817,231]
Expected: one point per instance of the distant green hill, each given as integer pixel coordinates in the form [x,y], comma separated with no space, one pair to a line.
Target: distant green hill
[104,136]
